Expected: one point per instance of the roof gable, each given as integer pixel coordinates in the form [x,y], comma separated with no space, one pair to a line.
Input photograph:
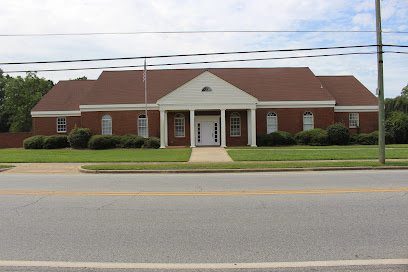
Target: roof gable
[207,88]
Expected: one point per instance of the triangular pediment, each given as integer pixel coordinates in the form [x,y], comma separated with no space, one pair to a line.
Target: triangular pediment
[207,88]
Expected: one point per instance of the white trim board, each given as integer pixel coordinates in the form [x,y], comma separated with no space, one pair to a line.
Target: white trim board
[356,109]
[55,113]
[117,107]
[296,104]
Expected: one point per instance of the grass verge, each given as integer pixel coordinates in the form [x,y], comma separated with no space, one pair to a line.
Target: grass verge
[313,154]
[322,147]
[185,166]
[110,155]
[6,166]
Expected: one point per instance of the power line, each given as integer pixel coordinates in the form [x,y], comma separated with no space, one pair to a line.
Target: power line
[197,32]
[191,63]
[189,55]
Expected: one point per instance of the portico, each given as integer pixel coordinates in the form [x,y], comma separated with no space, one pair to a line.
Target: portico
[210,94]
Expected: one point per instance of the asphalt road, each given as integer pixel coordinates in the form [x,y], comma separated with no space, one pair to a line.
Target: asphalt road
[291,226]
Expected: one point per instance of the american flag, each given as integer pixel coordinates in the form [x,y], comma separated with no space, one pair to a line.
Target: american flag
[144,72]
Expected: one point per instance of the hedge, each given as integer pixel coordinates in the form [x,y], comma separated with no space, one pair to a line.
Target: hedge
[338,134]
[34,142]
[103,142]
[132,141]
[56,141]
[152,142]
[275,138]
[315,136]
[79,137]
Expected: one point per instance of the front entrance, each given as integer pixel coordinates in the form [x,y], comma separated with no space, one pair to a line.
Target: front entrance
[207,130]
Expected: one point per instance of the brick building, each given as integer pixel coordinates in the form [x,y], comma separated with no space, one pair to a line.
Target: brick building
[206,107]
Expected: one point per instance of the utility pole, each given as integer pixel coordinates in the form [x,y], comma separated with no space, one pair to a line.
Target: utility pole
[381,109]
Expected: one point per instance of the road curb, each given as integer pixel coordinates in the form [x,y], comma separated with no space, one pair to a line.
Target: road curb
[240,170]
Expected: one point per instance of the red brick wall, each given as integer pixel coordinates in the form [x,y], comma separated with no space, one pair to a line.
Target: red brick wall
[368,121]
[13,140]
[243,139]
[291,120]
[178,141]
[48,125]
[123,122]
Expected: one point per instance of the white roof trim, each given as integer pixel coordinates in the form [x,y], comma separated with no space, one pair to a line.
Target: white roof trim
[117,107]
[296,104]
[55,113]
[208,107]
[355,108]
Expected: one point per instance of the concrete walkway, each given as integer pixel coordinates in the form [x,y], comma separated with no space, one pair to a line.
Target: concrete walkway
[209,155]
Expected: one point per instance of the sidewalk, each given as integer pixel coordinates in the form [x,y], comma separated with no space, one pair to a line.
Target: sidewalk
[209,155]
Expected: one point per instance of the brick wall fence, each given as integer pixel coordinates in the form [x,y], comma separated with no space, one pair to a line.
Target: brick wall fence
[13,140]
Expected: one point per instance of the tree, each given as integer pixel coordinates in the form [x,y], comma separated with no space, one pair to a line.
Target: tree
[4,126]
[21,95]
[405,91]
[80,78]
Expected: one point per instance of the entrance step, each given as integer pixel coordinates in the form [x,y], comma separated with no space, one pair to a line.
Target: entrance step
[209,154]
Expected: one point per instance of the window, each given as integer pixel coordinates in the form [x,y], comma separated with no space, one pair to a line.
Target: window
[62,124]
[142,126]
[106,125]
[271,122]
[206,89]
[353,120]
[235,123]
[179,125]
[307,120]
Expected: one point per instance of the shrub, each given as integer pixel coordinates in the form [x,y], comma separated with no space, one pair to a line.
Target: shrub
[103,141]
[79,137]
[315,136]
[282,138]
[34,142]
[338,134]
[56,141]
[152,142]
[275,138]
[132,141]
[261,140]
[365,139]
[397,125]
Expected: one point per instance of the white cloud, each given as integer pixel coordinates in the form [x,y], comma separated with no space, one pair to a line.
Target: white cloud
[57,16]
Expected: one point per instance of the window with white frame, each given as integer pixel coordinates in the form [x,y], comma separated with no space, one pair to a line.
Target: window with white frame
[308,120]
[142,126]
[179,125]
[106,125]
[271,122]
[235,124]
[353,120]
[61,124]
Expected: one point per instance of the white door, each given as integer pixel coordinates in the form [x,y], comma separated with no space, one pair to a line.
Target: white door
[207,133]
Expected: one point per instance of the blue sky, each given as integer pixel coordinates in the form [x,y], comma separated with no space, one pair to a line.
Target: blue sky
[56,16]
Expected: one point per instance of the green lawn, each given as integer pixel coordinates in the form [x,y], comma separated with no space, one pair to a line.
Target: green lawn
[185,166]
[111,155]
[313,154]
[6,166]
[322,147]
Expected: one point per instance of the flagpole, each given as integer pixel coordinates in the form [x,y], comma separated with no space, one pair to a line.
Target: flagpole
[145,81]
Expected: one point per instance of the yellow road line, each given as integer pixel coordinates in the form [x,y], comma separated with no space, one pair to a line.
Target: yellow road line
[231,193]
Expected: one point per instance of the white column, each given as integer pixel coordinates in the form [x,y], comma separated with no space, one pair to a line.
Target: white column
[223,129]
[253,127]
[192,128]
[166,130]
[249,127]
[162,129]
